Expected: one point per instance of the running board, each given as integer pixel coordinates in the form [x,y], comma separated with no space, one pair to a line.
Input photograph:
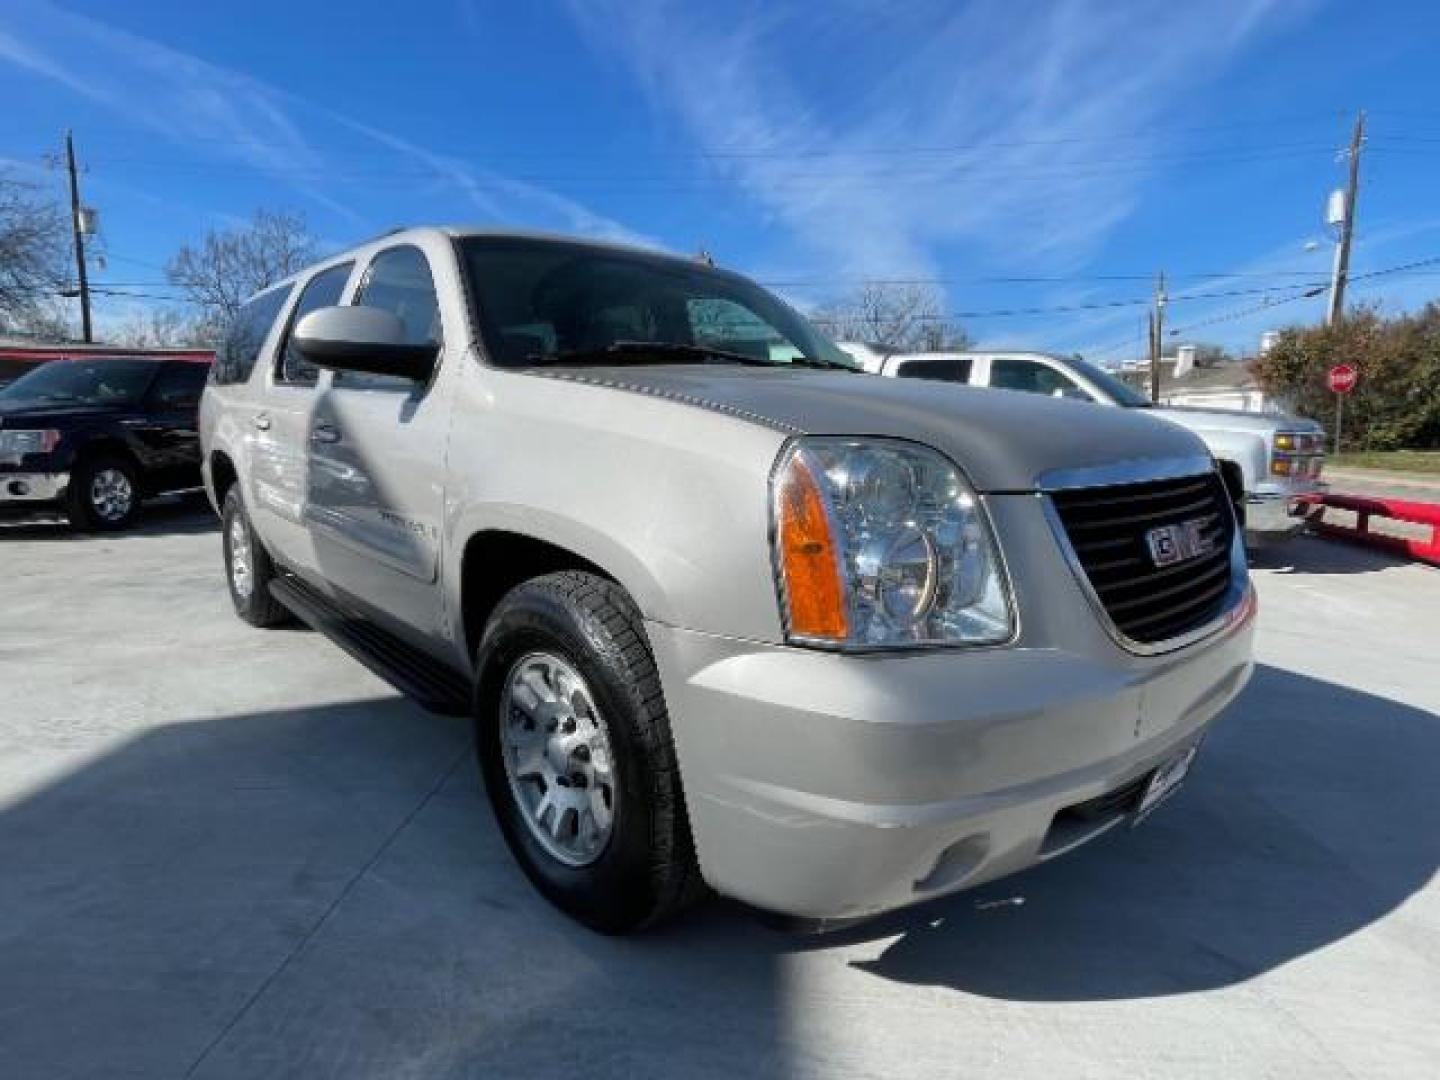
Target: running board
[426,681]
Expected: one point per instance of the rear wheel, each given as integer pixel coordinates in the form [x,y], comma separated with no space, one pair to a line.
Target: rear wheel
[104,494]
[575,747]
[248,569]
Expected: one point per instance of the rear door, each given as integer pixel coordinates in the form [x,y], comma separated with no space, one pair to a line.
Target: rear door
[172,407]
[377,456]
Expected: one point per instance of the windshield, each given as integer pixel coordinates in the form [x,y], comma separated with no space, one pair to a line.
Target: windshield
[86,382]
[549,301]
[1121,392]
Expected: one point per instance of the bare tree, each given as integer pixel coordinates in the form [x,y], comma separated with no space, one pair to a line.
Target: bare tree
[158,328]
[894,317]
[230,266]
[32,255]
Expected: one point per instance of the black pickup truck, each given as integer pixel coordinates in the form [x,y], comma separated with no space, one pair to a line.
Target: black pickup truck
[93,437]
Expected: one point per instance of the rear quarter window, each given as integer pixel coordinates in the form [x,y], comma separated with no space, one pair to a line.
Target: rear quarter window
[240,349]
[941,368]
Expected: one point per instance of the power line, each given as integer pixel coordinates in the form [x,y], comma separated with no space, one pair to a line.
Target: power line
[772,151]
[652,182]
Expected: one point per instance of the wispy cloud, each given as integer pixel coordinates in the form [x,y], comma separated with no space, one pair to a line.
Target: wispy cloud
[223,115]
[1202,310]
[837,88]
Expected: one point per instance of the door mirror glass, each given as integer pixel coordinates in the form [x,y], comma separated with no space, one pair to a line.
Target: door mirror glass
[364,339]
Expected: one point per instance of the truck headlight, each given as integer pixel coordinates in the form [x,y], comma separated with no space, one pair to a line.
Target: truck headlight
[19,443]
[880,542]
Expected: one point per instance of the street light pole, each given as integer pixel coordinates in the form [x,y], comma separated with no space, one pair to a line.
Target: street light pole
[1157,336]
[82,278]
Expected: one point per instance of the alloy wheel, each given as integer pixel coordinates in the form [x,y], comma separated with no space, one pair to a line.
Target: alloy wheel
[556,751]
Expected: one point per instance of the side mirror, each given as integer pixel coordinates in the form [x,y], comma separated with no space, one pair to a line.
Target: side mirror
[363,339]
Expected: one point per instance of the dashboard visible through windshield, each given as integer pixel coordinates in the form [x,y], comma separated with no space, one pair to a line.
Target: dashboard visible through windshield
[547,301]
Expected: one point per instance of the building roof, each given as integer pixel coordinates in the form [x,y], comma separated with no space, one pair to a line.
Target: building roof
[1231,376]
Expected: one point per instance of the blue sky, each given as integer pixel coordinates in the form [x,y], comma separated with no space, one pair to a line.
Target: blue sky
[1084,144]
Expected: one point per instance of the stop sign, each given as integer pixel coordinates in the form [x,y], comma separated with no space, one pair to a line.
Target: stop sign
[1342,378]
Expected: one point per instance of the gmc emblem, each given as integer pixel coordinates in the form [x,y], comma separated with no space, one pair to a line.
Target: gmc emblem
[1170,544]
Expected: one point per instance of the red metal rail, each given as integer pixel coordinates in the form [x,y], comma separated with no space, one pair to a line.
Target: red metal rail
[1364,508]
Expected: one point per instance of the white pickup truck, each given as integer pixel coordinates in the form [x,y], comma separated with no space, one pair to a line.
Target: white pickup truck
[1267,459]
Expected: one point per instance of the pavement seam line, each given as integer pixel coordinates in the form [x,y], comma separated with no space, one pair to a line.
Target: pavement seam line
[345,891]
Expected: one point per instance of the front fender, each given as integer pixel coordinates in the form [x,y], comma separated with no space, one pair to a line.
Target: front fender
[670,500]
[1246,449]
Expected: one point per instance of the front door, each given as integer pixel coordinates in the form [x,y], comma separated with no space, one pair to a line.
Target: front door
[282,428]
[376,449]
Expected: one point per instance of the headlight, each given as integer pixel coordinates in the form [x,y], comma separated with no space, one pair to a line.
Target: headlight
[880,542]
[17,444]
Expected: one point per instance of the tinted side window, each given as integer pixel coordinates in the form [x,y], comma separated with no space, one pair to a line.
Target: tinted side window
[237,354]
[179,385]
[323,290]
[947,368]
[398,281]
[1007,373]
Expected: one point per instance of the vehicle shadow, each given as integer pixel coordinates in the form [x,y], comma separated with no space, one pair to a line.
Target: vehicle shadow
[1310,554]
[1313,813]
[321,891]
[169,515]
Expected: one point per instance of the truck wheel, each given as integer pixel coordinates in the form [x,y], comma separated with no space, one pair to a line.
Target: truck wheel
[104,494]
[248,570]
[575,748]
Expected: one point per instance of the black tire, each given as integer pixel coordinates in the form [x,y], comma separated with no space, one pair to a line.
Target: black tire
[647,869]
[254,603]
[114,504]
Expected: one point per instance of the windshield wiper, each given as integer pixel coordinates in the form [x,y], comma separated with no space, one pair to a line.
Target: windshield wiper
[822,363]
[654,352]
[668,352]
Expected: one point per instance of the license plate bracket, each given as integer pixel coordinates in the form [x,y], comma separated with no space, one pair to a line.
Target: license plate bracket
[1165,780]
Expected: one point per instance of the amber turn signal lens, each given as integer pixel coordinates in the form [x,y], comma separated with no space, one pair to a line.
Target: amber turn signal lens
[809,563]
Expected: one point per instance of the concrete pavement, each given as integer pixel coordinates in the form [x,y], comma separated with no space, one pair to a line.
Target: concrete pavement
[227,852]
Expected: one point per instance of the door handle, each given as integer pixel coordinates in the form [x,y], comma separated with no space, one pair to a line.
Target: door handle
[261,422]
[325,433]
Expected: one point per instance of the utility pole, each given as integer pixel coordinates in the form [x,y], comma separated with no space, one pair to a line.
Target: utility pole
[82,278]
[1341,271]
[1157,336]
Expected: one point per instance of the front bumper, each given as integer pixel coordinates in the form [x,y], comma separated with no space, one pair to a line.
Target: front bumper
[833,787]
[27,489]
[1271,514]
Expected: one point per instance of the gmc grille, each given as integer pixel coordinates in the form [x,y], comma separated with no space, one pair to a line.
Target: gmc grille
[1107,528]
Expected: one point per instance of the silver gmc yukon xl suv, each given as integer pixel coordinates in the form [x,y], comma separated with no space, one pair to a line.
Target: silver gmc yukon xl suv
[723,610]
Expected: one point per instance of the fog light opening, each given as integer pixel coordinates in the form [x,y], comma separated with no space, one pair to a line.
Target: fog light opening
[956,863]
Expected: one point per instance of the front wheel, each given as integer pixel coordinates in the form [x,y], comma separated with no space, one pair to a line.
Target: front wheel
[575,747]
[248,570]
[104,494]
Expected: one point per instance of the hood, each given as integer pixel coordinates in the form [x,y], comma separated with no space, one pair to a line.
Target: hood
[1234,420]
[1002,440]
